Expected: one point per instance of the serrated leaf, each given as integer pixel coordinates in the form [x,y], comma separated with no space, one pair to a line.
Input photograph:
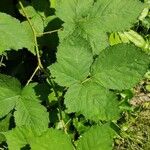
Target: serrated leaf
[73,61]
[18,137]
[12,30]
[29,91]
[36,19]
[34,7]
[4,126]
[80,125]
[115,15]
[97,138]
[49,140]
[120,66]
[29,111]
[29,9]
[69,11]
[29,32]
[93,19]
[93,101]
[38,24]
[10,89]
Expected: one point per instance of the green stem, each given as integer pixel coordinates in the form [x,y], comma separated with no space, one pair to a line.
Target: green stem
[40,66]
[36,69]
[34,34]
[1,61]
[49,32]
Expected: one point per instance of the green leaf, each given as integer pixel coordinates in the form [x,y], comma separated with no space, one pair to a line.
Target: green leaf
[38,24]
[93,101]
[73,61]
[115,15]
[97,138]
[34,7]
[4,126]
[69,11]
[49,140]
[10,89]
[120,66]
[12,30]
[80,125]
[29,91]
[29,111]
[18,137]
[52,3]
[29,9]
[93,19]
[29,31]
[36,19]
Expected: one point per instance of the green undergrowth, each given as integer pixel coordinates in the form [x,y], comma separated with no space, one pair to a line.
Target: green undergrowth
[135,130]
[134,126]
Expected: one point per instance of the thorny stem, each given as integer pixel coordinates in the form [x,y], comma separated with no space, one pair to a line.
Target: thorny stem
[40,66]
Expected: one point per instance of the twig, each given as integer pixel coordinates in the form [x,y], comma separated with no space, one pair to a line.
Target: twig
[49,32]
[1,61]
[36,69]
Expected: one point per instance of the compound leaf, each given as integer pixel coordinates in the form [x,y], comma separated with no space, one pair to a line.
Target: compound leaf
[73,61]
[92,20]
[97,138]
[120,66]
[29,111]
[93,101]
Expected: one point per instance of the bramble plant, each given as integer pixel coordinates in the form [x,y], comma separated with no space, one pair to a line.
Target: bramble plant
[75,105]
